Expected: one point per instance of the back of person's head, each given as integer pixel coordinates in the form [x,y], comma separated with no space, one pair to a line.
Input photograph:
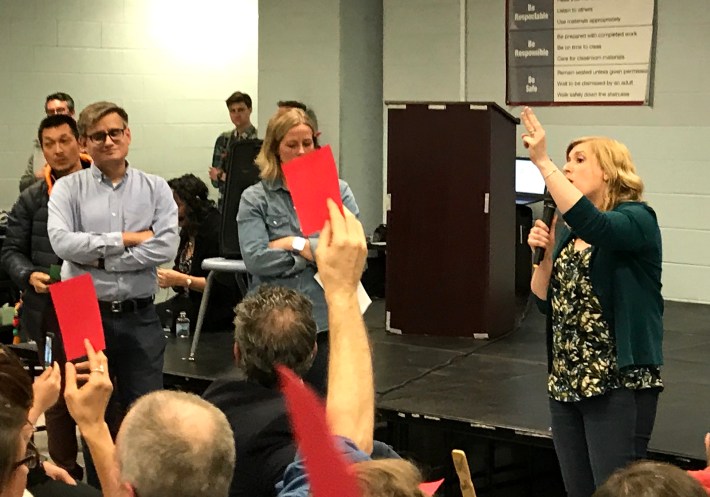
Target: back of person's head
[388,478]
[61,96]
[280,123]
[194,194]
[314,119]
[239,97]
[624,183]
[12,419]
[15,402]
[273,326]
[285,105]
[15,381]
[291,104]
[95,112]
[650,479]
[56,120]
[176,444]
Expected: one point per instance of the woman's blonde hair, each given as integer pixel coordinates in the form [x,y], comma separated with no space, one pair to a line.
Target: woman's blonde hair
[388,478]
[650,479]
[623,183]
[268,160]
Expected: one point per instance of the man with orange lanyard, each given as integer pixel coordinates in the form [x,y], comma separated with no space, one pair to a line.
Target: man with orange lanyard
[56,103]
[27,256]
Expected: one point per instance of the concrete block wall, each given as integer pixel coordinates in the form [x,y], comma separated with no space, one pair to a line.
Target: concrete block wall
[328,54]
[170,64]
[421,50]
[299,57]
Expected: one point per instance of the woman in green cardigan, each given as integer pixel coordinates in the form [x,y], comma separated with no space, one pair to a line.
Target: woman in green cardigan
[600,286]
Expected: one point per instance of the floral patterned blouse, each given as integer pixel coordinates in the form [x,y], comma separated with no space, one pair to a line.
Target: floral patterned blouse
[583,348]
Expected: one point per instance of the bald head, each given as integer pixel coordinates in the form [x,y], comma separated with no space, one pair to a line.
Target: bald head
[168,435]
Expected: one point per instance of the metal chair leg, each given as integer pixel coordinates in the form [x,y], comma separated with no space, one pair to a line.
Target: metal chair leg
[201,315]
[242,283]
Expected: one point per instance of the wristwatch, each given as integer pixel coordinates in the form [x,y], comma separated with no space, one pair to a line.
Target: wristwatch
[298,244]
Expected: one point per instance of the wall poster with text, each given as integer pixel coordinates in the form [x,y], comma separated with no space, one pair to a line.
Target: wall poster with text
[572,52]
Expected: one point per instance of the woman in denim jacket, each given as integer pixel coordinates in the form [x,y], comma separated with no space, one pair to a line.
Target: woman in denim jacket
[273,246]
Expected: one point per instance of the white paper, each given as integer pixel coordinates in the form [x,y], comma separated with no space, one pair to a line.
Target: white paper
[363,299]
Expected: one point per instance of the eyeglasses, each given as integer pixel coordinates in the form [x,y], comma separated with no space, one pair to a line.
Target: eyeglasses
[100,136]
[31,459]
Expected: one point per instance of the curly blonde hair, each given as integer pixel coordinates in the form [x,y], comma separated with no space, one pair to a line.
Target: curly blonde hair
[623,183]
[268,160]
[388,478]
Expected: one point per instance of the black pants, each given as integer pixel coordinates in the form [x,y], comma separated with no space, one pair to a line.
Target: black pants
[596,436]
[61,428]
[135,346]
[61,437]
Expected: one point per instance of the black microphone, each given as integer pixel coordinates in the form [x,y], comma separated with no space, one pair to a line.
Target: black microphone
[548,212]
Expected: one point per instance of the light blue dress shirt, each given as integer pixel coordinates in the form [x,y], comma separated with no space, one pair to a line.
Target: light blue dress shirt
[87,216]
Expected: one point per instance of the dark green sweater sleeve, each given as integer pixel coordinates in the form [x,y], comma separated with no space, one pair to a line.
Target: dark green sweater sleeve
[630,227]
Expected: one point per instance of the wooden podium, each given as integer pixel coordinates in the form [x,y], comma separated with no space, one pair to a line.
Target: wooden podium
[451,219]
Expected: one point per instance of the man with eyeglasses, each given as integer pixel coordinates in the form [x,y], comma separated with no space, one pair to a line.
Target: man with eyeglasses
[56,103]
[138,462]
[118,224]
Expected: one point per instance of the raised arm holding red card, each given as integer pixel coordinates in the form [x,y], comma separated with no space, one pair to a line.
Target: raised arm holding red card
[331,439]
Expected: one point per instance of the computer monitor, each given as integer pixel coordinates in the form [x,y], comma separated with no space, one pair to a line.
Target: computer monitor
[528,180]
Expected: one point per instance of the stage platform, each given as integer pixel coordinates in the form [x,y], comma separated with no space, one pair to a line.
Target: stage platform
[497,389]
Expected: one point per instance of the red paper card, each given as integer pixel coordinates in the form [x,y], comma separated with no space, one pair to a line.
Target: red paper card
[326,467]
[312,179]
[78,315]
[430,487]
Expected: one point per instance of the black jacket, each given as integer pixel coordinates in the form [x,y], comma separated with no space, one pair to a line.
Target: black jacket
[27,249]
[262,434]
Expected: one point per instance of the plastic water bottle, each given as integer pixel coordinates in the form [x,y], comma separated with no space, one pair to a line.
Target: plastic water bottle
[182,325]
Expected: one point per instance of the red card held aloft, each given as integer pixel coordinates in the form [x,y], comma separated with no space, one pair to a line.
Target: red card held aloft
[78,315]
[326,467]
[430,487]
[312,179]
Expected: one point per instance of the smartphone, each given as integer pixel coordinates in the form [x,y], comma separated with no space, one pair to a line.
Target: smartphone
[48,357]
[55,273]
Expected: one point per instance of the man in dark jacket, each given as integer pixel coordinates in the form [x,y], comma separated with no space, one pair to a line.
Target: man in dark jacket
[27,256]
[273,326]
[56,103]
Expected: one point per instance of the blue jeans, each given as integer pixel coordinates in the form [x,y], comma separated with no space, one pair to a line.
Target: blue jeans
[598,435]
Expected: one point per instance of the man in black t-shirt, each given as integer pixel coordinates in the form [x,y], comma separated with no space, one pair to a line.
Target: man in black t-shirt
[273,326]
